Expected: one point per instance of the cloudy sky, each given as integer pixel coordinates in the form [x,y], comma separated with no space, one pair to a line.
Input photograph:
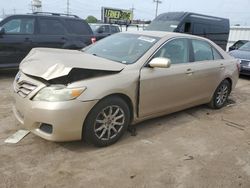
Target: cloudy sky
[236,10]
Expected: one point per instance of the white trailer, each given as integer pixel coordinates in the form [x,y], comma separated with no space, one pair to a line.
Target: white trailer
[238,33]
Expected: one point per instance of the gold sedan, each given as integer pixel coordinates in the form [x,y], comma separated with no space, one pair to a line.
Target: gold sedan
[96,93]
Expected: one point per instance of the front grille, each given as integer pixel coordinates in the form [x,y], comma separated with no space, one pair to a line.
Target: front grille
[24,88]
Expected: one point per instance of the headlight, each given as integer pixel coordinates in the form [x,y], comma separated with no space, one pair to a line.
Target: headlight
[58,93]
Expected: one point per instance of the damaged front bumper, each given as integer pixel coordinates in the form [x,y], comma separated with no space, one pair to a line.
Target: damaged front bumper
[55,121]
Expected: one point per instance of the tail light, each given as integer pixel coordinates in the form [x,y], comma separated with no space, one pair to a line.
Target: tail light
[93,40]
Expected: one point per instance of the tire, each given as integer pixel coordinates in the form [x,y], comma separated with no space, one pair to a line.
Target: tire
[103,131]
[220,95]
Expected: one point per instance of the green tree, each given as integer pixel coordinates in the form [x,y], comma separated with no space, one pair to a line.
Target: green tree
[91,19]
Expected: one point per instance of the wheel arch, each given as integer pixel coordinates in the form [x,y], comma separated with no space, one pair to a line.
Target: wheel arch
[230,81]
[226,78]
[124,97]
[127,99]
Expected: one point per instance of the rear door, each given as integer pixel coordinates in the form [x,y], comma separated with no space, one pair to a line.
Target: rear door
[51,33]
[79,33]
[103,31]
[17,41]
[208,67]
[114,29]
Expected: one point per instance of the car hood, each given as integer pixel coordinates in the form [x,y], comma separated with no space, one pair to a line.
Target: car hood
[48,63]
[240,54]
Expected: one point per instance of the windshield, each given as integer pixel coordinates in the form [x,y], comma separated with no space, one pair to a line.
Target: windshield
[122,47]
[158,25]
[245,47]
[166,22]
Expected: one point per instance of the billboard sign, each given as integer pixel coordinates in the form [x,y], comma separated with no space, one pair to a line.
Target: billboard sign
[119,16]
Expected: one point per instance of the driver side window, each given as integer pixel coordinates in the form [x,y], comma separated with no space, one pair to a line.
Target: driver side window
[176,50]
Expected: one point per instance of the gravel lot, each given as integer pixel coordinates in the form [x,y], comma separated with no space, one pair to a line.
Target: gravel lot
[198,147]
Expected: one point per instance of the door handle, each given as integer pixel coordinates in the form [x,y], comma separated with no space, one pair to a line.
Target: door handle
[189,71]
[27,39]
[222,66]
[63,38]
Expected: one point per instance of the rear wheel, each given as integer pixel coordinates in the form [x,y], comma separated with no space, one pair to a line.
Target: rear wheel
[106,122]
[220,95]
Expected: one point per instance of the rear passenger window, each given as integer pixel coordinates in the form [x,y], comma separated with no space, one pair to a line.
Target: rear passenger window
[78,27]
[51,27]
[104,29]
[176,50]
[202,50]
[114,29]
[216,54]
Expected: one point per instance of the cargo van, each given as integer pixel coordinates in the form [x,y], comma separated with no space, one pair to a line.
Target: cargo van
[213,28]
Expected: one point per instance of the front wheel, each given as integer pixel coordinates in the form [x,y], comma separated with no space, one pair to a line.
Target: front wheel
[106,122]
[220,95]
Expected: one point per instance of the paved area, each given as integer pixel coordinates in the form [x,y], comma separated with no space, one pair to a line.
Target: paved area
[198,147]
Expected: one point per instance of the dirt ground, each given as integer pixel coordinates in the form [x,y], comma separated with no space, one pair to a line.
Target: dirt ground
[198,147]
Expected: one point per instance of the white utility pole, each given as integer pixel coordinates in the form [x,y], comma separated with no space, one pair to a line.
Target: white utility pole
[3,13]
[132,10]
[68,7]
[156,8]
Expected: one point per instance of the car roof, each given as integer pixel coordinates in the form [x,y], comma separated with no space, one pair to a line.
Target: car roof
[163,34]
[45,15]
[103,24]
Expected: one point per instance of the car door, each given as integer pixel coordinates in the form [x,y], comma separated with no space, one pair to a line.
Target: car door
[208,66]
[79,33]
[103,31]
[17,40]
[168,89]
[114,29]
[51,33]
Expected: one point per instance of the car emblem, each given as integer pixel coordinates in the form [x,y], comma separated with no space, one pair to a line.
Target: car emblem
[18,76]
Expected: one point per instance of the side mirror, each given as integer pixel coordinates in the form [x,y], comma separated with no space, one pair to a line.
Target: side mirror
[2,31]
[160,62]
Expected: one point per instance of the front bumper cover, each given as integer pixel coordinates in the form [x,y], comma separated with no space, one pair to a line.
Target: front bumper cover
[66,117]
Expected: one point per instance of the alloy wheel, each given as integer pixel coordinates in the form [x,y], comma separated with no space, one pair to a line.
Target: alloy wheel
[222,94]
[109,122]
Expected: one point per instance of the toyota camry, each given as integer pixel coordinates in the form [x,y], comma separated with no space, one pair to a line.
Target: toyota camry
[95,93]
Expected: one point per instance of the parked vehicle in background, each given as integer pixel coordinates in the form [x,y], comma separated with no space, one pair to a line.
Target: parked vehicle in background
[94,94]
[243,54]
[20,33]
[104,30]
[238,33]
[238,44]
[213,28]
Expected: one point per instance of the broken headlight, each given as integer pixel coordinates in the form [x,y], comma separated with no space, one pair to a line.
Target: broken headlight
[56,93]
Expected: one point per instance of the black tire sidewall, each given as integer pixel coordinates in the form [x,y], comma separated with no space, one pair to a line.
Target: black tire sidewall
[88,129]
